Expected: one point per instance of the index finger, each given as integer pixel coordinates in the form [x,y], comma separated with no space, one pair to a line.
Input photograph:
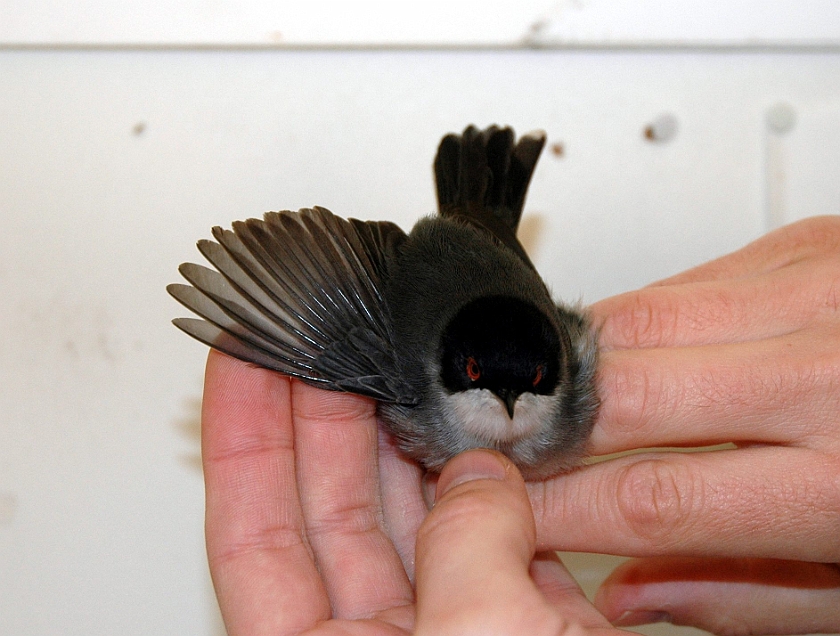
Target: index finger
[698,313]
[776,249]
[774,286]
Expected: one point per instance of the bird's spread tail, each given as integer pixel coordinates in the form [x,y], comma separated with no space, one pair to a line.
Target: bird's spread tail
[483,176]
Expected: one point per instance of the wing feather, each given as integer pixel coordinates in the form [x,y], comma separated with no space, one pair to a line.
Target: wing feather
[300,293]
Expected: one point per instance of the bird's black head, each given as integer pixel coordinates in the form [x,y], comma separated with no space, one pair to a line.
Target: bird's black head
[503,344]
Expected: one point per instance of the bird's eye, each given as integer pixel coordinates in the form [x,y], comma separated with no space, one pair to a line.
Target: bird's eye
[538,374]
[473,371]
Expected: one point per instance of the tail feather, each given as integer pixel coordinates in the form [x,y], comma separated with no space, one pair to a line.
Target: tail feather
[483,176]
[526,153]
[484,170]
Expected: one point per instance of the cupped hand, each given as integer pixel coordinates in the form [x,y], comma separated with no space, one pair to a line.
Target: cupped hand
[312,518]
[744,350]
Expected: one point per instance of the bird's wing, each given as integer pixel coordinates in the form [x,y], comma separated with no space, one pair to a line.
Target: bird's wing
[300,293]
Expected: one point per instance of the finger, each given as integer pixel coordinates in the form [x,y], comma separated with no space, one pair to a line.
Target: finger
[475,574]
[262,568]
[336,439]
[798,241]
[403,504]
[725,596]
[474,551]
[560,589]
[775,391]
[721,311]
[762,501]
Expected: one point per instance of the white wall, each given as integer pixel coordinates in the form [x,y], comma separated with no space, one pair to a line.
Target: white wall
[114,161]
[269,23]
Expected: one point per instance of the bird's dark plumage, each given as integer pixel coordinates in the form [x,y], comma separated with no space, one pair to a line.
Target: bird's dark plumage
[449,327]
[482,177]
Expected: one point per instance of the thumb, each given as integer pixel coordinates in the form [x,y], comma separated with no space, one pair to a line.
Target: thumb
[474,550]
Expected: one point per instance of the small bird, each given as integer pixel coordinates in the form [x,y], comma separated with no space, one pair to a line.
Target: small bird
[449,327]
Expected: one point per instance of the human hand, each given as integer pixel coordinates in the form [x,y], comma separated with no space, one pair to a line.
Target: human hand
[477,571]
[745,350]
[311,525]
[300,536]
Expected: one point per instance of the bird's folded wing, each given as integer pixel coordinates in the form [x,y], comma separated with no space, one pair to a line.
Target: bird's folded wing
[300,293]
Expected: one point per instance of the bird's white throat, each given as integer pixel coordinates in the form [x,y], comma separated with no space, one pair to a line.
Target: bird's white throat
[483,415]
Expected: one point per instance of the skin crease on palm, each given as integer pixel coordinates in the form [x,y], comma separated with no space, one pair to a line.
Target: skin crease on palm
[316,524]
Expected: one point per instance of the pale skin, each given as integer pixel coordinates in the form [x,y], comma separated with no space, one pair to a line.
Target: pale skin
[316,524]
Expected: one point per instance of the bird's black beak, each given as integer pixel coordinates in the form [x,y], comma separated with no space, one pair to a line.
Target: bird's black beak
[508,397]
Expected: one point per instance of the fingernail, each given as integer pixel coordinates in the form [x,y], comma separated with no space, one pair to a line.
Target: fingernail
[631,618]
[428,486]
[477,465]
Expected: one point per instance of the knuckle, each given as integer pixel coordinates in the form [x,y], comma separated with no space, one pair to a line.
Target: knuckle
[648,320]
[658,499]
[350,517]
[310,404]
[454,517]
[669,316]
[275,539]
[464,509]
[633,395]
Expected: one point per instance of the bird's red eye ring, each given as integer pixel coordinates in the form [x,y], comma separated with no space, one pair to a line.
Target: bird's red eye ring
[538,375]
[473,372]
